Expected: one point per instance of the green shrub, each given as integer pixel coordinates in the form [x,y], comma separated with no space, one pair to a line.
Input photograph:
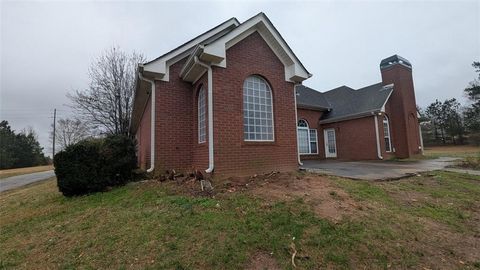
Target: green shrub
[95,164]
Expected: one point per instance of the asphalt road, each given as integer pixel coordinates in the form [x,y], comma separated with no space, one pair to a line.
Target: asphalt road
[22,180]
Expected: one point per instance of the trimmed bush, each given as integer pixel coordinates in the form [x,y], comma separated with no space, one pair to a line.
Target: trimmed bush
[95,164]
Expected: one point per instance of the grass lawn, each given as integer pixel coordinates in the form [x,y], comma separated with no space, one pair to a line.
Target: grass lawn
[20,171]
[460,151]
[424,222]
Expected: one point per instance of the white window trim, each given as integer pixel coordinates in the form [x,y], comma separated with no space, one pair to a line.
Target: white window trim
[387,120]
[308,129]
[271,111]
[201,92]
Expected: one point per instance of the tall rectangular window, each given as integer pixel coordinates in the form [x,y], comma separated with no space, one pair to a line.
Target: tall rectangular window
[386,134]
[307,138]
[313,141]
[202,123]
[257,110]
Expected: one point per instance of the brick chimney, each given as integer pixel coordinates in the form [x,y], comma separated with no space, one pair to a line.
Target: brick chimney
[401,108]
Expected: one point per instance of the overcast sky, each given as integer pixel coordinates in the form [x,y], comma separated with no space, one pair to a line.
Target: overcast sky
[46,47]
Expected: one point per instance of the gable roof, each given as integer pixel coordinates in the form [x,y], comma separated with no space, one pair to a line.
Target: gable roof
[308,98]
[214,43]
[343,103]
[348,103]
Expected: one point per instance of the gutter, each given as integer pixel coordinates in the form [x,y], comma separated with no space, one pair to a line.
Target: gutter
[152,122]
[379,151]
[211,164]
[296,123]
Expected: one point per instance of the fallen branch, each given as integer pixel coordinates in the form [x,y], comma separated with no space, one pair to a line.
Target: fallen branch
[292,246]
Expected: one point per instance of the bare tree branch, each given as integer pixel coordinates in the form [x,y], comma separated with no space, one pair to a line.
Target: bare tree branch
[108,100]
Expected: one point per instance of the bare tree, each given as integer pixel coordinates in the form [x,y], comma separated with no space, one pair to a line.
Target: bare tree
[107,103]
[68,132]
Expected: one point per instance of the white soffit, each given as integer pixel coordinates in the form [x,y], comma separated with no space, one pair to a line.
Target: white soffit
[159,68]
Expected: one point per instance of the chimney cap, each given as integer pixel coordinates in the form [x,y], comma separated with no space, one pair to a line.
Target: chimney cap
[395,60]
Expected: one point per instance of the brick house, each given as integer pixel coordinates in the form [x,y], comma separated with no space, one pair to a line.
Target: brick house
[231,100]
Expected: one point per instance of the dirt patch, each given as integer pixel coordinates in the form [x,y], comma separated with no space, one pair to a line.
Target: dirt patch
[448,248]
[327,200]
[262,261]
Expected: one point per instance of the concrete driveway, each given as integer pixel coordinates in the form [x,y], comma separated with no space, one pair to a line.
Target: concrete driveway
[22,180]
[375,170]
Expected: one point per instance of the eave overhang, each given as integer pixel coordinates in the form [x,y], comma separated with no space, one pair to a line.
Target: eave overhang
[158,68]
[350,117]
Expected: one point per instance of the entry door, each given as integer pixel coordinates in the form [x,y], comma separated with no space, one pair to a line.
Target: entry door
[330,143]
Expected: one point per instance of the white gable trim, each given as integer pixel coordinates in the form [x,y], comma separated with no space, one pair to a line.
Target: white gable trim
[216,51]
[386,100]
[159,68]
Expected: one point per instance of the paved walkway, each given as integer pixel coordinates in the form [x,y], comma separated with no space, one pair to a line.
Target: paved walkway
[376,170]
[22,180]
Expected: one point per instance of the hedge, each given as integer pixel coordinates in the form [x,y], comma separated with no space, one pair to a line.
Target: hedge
[93,165]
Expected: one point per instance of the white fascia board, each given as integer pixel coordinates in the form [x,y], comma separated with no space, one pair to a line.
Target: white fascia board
[160,66]
[386,100]
[294,71]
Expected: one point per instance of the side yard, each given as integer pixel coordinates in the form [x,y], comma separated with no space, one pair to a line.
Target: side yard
[429,221]
[460,151]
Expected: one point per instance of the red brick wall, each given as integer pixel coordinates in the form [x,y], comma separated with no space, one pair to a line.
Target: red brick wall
[232,154]
[173,127]
[313,117]
[401,108]
[143,137]
[199,151]
[356,139]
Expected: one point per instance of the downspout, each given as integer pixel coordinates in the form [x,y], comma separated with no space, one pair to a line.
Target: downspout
[210,114]
[379,151]
[296,122]
[421,137]
[152,123]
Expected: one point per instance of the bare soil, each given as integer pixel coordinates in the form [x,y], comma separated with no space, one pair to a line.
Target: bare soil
[262,261]
[327,200]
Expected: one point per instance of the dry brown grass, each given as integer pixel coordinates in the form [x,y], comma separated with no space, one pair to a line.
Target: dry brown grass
[460,151]
[20,171]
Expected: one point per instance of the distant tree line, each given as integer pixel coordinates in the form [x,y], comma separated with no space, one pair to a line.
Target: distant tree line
[21,149]
[449,122]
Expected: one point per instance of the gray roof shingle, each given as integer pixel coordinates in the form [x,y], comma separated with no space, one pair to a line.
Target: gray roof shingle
[344,102]
[311,99]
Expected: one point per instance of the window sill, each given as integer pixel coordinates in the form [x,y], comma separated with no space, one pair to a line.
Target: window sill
[259,143]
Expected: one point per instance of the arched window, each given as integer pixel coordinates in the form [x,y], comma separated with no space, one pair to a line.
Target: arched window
[386,134]
[201,116]
[257,110]
[307,138]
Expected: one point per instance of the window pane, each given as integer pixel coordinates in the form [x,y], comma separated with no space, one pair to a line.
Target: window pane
[386,134]
[201,116]
[258,113]
[313,147]
[303,141]
[313,141]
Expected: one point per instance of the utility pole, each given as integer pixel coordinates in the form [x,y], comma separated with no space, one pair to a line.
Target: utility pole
[54,121]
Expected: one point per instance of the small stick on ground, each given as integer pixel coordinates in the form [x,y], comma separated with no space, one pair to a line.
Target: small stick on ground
[292,245]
